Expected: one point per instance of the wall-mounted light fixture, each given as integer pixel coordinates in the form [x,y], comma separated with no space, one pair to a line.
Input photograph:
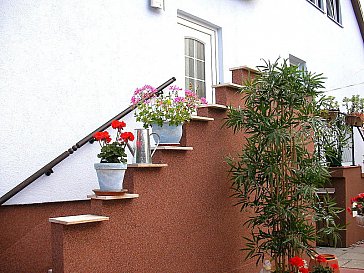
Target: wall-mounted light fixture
[159,4]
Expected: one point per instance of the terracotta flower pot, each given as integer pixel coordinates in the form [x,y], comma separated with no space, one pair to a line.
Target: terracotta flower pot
[330,260]
[353,120]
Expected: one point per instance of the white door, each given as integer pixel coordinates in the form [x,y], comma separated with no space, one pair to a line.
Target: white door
[197,58]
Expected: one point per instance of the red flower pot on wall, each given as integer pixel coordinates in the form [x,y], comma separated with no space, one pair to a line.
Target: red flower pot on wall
[325,260]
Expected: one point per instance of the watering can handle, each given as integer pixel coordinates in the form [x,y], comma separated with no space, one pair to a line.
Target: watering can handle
[159,139]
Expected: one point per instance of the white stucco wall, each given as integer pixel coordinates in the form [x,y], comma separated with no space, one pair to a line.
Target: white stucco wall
[66,67]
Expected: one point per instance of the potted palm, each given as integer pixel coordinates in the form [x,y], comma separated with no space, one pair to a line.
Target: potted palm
[165,113]
[276,176]
[111,169]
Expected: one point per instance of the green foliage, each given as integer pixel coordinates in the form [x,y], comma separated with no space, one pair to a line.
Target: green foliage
[276,175]
[355,104]
[332,136]
[113,153]
[167,107]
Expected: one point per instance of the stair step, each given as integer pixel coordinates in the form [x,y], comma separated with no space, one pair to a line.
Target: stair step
[199,118]
[113,197]
[144,165]
[174,148]
[78,219]
[214,106]
[247,68]
[229,84]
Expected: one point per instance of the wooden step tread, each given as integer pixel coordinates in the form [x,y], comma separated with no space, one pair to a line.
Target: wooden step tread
[233,85]
[78,219]
[115,197]
[199,118]
[245,68]
[175,148]
[214,106]
[149,165]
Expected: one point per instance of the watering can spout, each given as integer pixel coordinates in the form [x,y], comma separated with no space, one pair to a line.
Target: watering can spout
[131,149]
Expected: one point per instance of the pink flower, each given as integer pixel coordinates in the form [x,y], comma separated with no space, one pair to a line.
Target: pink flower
[203,101]
[179,99]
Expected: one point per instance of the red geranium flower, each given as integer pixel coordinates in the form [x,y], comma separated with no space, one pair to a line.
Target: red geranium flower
[99,136]
[127,136]
[321,259]
[296,261]
[335,266]
[303,270]
[115,124]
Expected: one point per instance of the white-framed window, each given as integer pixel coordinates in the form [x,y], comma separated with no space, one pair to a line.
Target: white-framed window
[195,76]
[317,3]
[334,10]
[301,64]
[197,56]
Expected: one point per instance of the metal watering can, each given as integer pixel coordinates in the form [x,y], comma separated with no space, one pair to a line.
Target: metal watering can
[141,151]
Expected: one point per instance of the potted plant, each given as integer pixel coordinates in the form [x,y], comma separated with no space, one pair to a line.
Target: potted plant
[165,113]
[329,108]
[357,208]
[355,110]
[325,263]
[111,169]
[332,137]
[276,175]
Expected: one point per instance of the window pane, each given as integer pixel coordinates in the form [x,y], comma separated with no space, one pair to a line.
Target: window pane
[200,89]
[189,47]
[200,69]
[189,67]
[330,8]
[189,84]
[200,51]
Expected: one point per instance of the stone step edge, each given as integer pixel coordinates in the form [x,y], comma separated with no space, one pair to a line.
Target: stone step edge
[228,84]
[214,106]
[199,118]
[115,197]
[173,148]
[78,219]
[245,68]
[147,165]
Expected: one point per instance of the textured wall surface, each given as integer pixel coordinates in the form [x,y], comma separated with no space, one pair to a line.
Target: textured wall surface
[183,221]
[69,66]
[348,183]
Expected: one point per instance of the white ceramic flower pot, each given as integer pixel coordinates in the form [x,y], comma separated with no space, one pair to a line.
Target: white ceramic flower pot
[168,134]
[110,175]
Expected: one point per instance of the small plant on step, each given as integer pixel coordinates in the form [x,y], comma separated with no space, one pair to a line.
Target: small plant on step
[114,152]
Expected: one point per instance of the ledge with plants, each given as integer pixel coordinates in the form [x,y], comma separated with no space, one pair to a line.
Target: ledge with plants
[167,112]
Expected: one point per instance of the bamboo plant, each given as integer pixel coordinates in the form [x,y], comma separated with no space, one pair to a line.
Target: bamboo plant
[277,173]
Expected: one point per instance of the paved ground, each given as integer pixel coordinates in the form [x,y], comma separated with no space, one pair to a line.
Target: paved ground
[351,259]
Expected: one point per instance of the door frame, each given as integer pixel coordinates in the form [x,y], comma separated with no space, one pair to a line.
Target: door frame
[212,31]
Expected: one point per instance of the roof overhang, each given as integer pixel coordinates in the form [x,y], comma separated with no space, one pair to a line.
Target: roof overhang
[359,16]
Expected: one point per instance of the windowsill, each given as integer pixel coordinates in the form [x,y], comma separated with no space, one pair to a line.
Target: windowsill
[320,9]
[336,22]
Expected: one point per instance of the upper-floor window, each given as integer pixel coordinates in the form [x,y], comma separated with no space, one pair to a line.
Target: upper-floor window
[333,10]
[301,64]
[318,3]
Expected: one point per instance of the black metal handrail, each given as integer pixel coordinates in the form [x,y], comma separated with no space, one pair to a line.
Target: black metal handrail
[48,169]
